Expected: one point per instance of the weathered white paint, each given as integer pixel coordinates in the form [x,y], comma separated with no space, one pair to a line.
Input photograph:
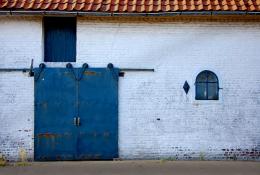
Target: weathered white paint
[187,129]
[20,41]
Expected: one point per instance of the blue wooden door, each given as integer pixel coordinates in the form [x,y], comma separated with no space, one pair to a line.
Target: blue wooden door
[76,113]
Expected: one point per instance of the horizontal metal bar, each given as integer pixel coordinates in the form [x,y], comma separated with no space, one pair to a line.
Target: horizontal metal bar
[229,13]
[14,69]
[194,13]
[25,13]
[82,13]
[5,13]
[26,69]
[131,69]
[253,13]
[58,13]
[94,14]
[146,14]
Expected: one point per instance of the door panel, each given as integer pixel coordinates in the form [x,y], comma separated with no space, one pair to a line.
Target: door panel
[55,134]
[98,110]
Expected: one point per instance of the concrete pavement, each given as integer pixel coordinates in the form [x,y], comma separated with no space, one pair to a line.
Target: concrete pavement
[159,167]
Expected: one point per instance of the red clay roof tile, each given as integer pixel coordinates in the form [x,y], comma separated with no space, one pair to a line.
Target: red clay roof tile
[114,8]
[140,2]
[181,3]
[87,7]
[173,2]
[165,2]
[114,2]
[12,4]
[148,2]
[257,2]
[242,8]
[251,8]
[224,7]
[216,7]
[157,2]
[199,7]
[96,7]
[131,2]
[105,2]
[105,7]
[123,2]
[36,6]
[148,8]
[174,8]
[122,8]
[54,6]
[140,8]
[183,7]
[20,4]
[190,2]
[3,3]
[71,6]
[62,6]
[166,8]
[79,6]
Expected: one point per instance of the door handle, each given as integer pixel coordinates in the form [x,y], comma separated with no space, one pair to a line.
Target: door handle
[76,121]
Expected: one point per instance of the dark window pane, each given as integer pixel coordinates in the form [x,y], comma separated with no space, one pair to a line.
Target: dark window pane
[202,77]
[212,91]
[207,86]
[212,77]
[59,39]
[201,91]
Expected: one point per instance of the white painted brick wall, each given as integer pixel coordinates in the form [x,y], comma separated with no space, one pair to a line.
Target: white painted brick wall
[16,114]
[187,129]
[20,41]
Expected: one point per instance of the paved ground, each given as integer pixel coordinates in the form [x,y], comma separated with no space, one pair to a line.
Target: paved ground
[135,167]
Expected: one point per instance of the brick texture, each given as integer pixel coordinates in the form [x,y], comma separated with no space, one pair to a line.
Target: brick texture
[20,41]
[156,118]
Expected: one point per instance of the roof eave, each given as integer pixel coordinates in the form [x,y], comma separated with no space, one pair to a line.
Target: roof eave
[82,13]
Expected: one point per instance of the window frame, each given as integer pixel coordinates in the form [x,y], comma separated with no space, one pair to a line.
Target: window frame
[206,83]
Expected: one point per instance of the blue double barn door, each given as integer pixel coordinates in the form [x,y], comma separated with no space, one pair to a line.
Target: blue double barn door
[76,113]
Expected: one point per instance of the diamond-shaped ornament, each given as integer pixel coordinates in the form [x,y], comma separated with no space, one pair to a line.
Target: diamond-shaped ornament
[186,87]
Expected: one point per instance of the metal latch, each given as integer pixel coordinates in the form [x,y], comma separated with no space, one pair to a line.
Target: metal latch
[76,121]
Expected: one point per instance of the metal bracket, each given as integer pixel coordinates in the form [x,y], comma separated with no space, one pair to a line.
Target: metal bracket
[110,66]
[121,74]
[77,78]
[31,73]
[24,70]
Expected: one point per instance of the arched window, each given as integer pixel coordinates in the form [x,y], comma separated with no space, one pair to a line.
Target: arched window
[207,86]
